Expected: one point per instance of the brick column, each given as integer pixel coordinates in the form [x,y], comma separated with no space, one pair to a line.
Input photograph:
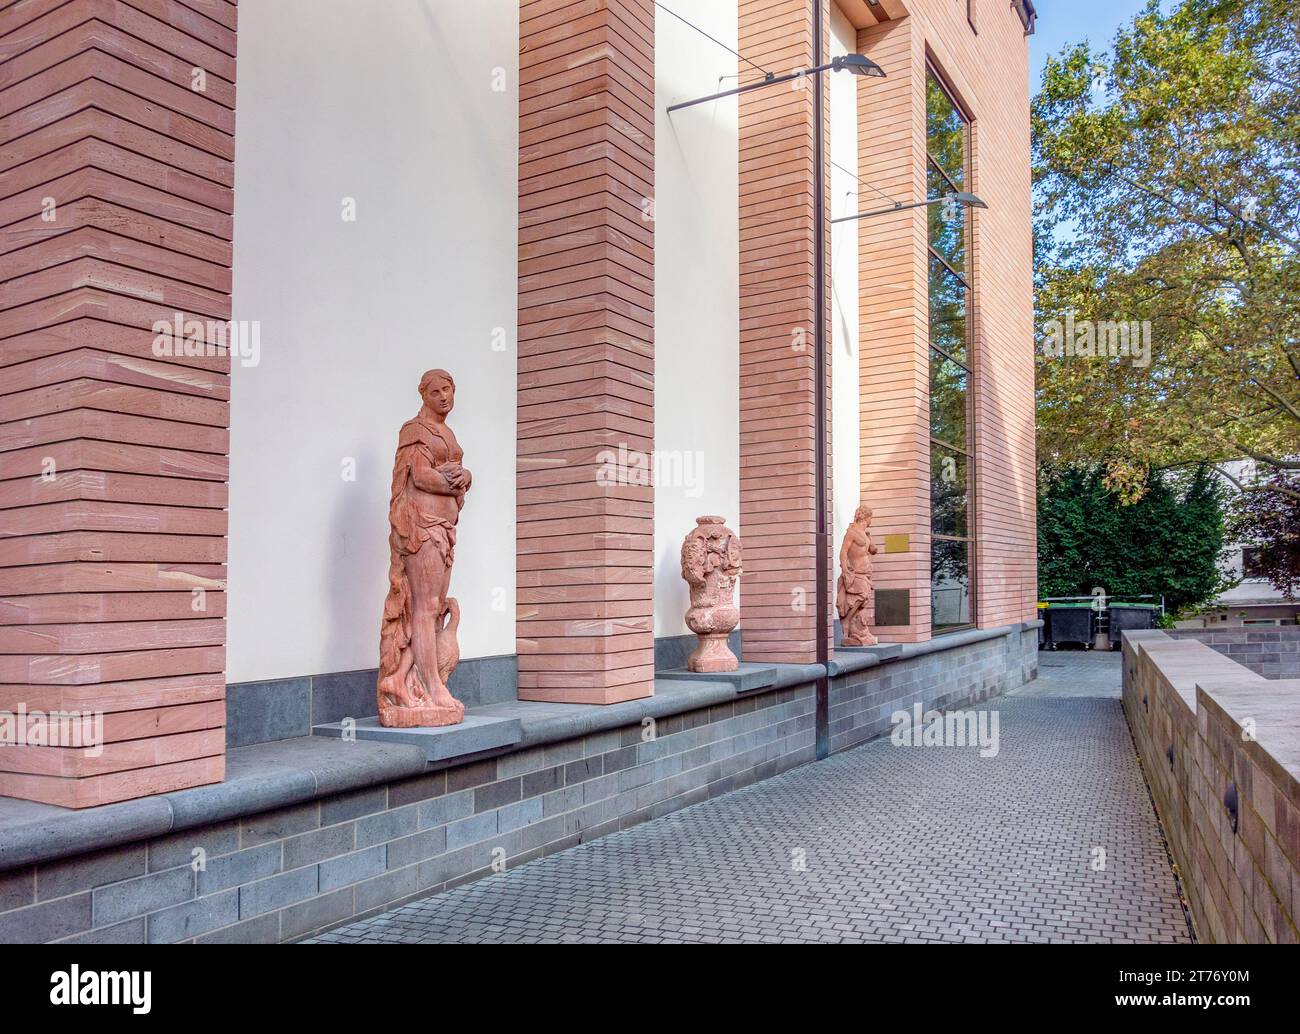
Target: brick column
[777,314]
[585,513]
[1002,259]
[118,171]
[893,327]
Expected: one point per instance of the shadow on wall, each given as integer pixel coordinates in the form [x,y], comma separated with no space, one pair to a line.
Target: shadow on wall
[441,54]
[350,570]
[673,597]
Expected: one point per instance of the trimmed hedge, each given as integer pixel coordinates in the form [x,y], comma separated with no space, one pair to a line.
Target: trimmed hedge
[1168,543]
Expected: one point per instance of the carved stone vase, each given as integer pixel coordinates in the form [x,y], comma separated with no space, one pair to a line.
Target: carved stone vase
[711,565]
[418,649]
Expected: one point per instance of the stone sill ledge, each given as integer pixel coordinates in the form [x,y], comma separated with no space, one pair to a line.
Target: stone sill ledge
[550,723]
[844,662]
[280,773]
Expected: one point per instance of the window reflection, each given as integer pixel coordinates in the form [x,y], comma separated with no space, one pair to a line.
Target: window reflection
[951,544]
[947,491]
[947,221]
[950,597]
[945,132]
[947,312]
[947,400]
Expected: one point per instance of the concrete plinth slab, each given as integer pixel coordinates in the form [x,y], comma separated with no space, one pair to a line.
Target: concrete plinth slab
[747,678]
[474,735]
[884,651]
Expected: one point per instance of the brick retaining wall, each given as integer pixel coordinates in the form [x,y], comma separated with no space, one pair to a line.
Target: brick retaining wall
[1211,735]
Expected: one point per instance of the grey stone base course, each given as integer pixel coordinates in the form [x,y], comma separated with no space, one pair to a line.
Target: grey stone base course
[308,833]
[280,709]
[283,874]
[976,666]
[1273,652]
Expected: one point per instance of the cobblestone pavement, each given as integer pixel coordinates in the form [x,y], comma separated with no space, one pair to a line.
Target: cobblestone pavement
[1053,839]
[1069,672]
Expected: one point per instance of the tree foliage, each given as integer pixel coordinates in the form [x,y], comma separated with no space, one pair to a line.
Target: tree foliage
[1167,178]
[1167,543]
[1269,521]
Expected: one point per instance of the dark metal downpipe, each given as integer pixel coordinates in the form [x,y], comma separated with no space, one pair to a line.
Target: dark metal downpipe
[821,625]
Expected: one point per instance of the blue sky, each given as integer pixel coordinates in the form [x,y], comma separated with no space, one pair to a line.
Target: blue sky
[1062,22]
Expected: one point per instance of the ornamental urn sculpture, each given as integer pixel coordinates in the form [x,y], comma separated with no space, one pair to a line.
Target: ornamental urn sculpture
[417,641]
[711,565]
[855,592]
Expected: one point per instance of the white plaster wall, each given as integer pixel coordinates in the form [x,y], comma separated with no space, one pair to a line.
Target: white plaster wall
[844,200]
[392,104]
[697,294]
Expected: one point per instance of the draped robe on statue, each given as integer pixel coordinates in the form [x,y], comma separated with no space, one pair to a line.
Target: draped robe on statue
[412,688]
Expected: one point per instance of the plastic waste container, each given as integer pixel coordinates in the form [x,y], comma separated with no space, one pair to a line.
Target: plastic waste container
[1069,623]
[1125,617]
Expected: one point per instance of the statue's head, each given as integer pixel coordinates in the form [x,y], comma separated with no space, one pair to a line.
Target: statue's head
[863,514]
[438,391]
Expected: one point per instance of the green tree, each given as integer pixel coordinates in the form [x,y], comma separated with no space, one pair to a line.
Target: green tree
[1269,522]
[1167,543]
[1167,175]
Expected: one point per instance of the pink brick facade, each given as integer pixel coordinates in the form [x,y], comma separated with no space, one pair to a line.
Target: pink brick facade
[984,71]
[114,459]
[117,213]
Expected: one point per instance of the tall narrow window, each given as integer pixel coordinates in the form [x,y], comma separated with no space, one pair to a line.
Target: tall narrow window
[951,526]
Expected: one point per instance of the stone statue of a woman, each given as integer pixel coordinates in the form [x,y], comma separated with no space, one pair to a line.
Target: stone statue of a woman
[855,593]
[417,642]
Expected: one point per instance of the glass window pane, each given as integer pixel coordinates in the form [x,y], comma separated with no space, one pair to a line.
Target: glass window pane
[945,132]
[951,549]
[947,312]
[950,603]
[947,491]
[947,222]
[948,401]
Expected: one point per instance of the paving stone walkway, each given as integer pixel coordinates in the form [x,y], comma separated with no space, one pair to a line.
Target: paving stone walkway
[1075,673]
[1053,839]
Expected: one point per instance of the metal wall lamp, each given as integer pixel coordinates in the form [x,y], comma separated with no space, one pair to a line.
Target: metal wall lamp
[855,63]
[961,198]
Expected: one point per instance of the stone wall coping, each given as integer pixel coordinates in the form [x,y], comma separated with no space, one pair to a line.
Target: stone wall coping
[1182,663]
[1273,707]
[1229,797]
[1237,633]
[264,776]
